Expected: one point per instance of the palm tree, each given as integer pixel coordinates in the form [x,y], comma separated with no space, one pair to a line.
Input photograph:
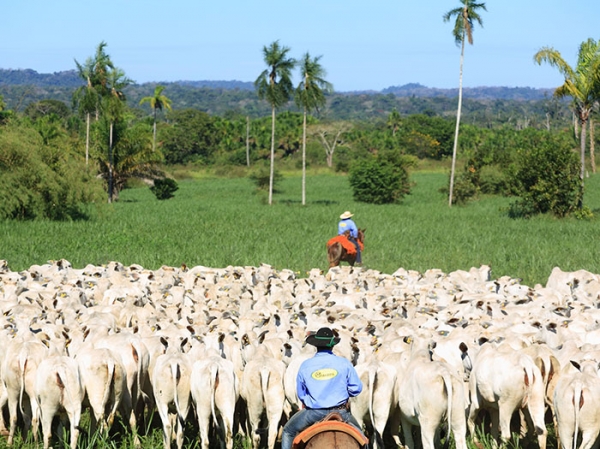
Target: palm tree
[157,102]
[93,72]
[310,94]
[463,28]
[275,85]
[113,109]
[394,121]
[582,84]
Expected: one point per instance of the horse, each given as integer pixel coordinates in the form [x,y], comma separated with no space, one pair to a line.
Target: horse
[336,253]
[331,433]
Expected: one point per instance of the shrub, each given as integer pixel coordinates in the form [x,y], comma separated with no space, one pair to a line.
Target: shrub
[546,178]
[164,188]
[261,176]
[379,180]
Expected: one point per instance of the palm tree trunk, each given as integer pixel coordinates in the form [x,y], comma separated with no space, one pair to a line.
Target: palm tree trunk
[592,146]
[154,133]
[87,138]
[583,137]
[462,57]
[272,156]
[110,164]
[248,140]
[304,159]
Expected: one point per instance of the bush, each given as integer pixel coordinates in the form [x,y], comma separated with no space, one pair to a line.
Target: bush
[261,177]
[164,188]
[546,178]
[379,180]
[40,181]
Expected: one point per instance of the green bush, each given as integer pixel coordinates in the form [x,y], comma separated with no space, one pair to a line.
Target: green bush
[379,180]
[546,178]
[260,175]
[164,188]
[40,181]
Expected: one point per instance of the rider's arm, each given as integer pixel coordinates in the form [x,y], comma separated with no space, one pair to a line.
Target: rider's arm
[354,383]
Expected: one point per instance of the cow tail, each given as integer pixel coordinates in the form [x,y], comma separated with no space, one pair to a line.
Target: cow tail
[22,368]
[577,404]
[448,385]
[214,382]
[176,375]
[372,380]
[137,355]
[528,379]
[264,381]
[110,371]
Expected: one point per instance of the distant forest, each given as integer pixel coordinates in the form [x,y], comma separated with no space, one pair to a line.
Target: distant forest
[483,106]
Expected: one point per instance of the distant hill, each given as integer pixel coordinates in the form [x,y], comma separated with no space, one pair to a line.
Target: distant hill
[69,78]
[478,93]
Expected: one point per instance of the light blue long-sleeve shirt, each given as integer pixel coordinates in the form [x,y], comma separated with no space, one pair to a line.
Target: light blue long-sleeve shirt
[326,381]
[348,225]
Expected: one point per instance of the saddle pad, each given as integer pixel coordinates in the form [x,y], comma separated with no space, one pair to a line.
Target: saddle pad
[347,244]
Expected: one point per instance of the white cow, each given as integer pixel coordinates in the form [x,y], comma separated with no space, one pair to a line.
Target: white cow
[18,375]
[58,388]
[377,399]
[577,405]
[214,389]
[171,387]
[261,387]
[503,381]
[104,380]
[428,392]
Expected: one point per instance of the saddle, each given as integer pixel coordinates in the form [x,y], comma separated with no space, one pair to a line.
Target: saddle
[346,244]
[333,422]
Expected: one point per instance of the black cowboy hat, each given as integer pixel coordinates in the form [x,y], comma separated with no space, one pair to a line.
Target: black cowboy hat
[323,338]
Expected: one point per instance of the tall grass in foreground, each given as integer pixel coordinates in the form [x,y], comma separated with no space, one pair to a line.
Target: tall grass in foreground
[222,222]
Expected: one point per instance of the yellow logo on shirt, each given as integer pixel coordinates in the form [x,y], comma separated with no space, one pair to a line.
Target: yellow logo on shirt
[324,374]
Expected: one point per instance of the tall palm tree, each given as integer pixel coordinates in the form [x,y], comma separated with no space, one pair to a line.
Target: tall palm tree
[465,15]
[394,121]
[310,94]
[275,85]
[157,102]
[582,83]
[113,108]
[93,71]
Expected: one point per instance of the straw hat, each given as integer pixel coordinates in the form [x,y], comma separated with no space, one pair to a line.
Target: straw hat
[323,338]
[346,214]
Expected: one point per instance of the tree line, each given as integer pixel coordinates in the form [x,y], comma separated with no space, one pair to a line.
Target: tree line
[107,136]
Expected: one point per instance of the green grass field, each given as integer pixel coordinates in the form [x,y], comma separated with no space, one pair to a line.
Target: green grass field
[218,222]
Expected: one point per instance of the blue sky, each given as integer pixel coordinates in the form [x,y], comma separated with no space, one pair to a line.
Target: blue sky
[364,44]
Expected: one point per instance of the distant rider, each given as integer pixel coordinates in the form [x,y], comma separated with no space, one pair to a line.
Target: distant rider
[347,224]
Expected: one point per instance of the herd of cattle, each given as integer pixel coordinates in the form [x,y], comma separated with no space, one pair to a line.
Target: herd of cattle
[459,351]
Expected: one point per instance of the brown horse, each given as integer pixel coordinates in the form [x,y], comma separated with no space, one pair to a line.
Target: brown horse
[336,253]
[331,433]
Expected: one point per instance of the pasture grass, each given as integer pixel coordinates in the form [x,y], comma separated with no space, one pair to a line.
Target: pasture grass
[218,222]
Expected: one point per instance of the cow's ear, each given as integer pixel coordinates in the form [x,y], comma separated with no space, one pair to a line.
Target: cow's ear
[164,342]
[221,337]
[191,330]
[261,337]
[482,340]
[463,347]
[575,364]
[183,343]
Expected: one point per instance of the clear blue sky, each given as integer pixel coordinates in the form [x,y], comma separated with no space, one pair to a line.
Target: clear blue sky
[364,44]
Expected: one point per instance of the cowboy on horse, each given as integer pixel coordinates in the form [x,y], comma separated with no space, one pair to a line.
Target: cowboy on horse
[347,246]
[347,227]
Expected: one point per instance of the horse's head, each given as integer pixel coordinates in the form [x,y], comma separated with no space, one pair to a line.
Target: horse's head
[361,234]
